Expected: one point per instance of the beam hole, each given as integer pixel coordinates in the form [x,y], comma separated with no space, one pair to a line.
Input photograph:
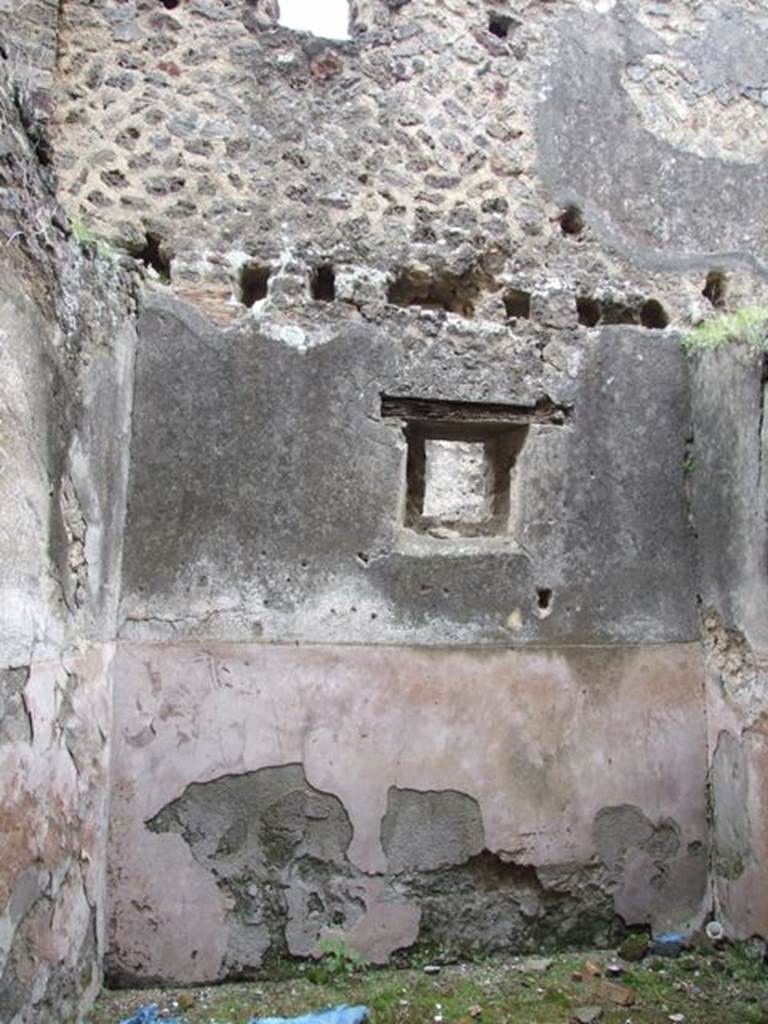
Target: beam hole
[155,255]
[715,288]
[589,310]
[653,315]
[517,303]
[453,293]
[499,25]
[253,283]
[323,283]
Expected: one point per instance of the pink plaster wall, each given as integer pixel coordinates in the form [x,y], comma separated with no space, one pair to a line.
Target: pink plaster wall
[740,882]
[541,740]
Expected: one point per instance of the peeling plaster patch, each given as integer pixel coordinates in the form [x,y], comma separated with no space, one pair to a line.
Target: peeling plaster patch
[386,926]
[75,529]
[502,836]
[740,675]
[278,848]
[732,838]
[15,720]
[656,881]
[427,831]
[493,904]
[705,91]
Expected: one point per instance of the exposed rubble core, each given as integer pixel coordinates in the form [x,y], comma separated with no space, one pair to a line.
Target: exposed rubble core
[376,564]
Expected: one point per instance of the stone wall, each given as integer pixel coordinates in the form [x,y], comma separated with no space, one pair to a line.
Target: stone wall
[442,140]
[397,621]
[66,349]
[436,266]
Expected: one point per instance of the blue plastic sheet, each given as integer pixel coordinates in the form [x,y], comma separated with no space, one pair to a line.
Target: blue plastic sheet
[333,1015]
[148,1015]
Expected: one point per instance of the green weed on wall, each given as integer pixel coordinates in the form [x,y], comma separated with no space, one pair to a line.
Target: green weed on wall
[748,325]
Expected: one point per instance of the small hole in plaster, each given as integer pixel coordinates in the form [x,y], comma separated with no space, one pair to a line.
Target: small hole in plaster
[572,220]
[544,600]
[517,304]
[653,315]
[253,282]
[589,310]
[170,5]
[499,25]
[715,288]
[323,284]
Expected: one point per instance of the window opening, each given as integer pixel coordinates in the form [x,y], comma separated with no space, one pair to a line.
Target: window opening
[461,469]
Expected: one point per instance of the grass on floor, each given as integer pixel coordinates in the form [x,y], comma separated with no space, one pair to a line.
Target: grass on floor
[728,986]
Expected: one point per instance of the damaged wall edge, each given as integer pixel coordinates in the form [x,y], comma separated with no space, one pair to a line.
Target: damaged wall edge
[729,498]
[67,329]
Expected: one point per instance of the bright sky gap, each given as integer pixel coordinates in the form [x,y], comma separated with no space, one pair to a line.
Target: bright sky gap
[326,18]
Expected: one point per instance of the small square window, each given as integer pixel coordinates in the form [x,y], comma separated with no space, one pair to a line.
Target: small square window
[461,471]
[461,483]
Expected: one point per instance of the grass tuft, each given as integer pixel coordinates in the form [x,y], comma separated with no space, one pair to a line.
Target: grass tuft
[748,325]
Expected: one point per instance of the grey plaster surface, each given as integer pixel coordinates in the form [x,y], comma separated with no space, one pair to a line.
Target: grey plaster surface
[266,494]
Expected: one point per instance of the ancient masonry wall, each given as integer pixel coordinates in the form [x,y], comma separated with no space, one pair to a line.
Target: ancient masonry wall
[427,510]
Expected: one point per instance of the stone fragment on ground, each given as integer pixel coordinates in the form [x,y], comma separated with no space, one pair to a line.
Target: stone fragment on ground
[534,964]
[587,1014]
[612,992]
